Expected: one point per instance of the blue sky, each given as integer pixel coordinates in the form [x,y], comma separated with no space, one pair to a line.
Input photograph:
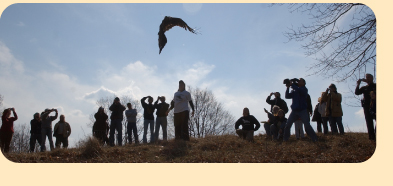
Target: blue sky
[66,56]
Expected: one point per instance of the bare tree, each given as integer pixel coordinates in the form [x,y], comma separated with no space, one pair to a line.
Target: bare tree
[20,142]
[210,117]
[341,50]
[106,102]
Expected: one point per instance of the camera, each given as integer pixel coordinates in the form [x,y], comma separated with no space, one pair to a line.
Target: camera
[294,81]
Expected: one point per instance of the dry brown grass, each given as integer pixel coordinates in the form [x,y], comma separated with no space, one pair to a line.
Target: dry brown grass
[349,148]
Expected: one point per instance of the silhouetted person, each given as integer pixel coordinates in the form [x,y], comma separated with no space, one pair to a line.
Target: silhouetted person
[148,111]
[62,131]
[299,96]
[131,125]
[181,111]
[322,111]
[270,122]
[161,119]
[247,122]
[35,131]
[277,101]
[101,127]
[7,129]
[373,105]
[46,128]
[333,109]
[116,118]
[365,90]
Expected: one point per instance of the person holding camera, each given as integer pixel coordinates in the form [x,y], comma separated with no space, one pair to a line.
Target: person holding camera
[333,109]
[365,90]
[35,131]
[181,111]
[131,125]
[62,131]
[161,119]
[116,118]
[277,101]
[148,116]
[46,128]
[247,122]
[299,106]
[7,129]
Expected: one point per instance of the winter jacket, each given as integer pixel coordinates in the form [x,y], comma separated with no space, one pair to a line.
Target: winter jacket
[100,124]
[66,130]
[8,123]
[333,104]
[317,116]
[322,109]
[277,121]
[46,120]
[298,96]
[35,126]
[247,123]
[279,102]
[117,111]
[365,90]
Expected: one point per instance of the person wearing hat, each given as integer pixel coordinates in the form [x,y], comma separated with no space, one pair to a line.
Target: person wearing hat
[116,118]
[181,111]
[333,109]
[35,131]
[46,128]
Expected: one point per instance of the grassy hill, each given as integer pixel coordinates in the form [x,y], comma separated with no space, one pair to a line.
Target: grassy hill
[351,147]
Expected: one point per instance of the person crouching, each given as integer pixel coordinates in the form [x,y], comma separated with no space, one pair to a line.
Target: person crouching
[247,121]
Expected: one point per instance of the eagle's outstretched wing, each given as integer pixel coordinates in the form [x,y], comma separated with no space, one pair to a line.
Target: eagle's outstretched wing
[166,24]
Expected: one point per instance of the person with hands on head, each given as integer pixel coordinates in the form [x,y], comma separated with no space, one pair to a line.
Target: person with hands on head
[277,101]
[249,125]
[148,116]
[46,128]
[181,111]
[35,131]
[7,129]
[161,119]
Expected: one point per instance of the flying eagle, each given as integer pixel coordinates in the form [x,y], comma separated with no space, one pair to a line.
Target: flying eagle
[168,23]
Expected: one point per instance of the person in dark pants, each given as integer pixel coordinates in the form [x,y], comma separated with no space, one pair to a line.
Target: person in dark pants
[116,118]
[46,128]
[299,96]
[35,131]
[62,131]
[148,116]
[161,119]
[181,112]
[101,127]
[333,109]
[7,129]
[317,118]
[247,122]
[131,125]
[365,90]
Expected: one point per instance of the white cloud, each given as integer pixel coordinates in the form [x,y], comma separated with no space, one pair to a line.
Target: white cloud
[8,61]
[95,95]
[360,113]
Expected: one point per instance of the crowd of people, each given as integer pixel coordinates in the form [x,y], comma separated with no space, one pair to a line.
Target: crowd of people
[327,110]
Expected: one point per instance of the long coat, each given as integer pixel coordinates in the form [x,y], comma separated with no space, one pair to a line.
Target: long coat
[333,104]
